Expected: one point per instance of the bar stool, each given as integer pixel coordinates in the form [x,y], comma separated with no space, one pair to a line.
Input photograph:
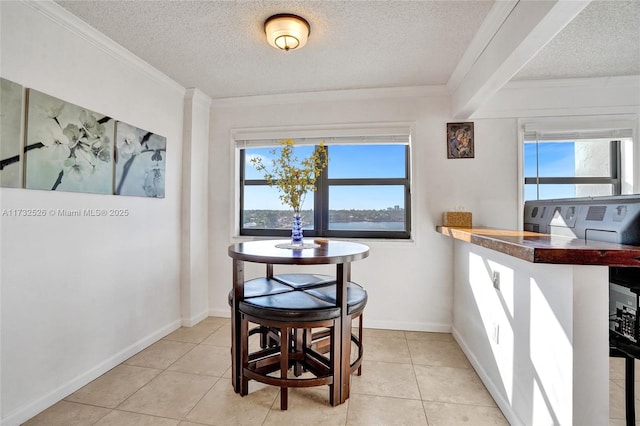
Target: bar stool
[323,287]
[357,298]
[293,314]
[263,287]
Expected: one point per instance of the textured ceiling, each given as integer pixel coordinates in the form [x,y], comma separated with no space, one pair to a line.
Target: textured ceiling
[603,40]
[220,48]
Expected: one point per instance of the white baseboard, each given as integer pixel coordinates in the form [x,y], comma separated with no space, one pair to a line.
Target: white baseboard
[406,326]
[222,313]
[502,403]
[27,411]
[190,322]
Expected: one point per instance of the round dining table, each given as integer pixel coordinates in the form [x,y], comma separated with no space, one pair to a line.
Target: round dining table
[314,252]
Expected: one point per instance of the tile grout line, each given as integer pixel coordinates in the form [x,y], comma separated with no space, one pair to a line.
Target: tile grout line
[212,385]
[415,377]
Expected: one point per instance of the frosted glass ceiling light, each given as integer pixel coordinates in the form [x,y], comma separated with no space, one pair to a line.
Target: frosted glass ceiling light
[286,31]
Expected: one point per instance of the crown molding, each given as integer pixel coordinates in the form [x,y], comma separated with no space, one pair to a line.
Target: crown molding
[197,95]
[69,21]
[334,95]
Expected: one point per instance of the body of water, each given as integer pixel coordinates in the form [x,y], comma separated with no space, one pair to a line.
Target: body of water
[367,226]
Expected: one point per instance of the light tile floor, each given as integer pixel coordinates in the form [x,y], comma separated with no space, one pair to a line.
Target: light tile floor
[409,378]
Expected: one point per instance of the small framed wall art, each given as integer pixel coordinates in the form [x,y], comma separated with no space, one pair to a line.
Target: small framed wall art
[460,140]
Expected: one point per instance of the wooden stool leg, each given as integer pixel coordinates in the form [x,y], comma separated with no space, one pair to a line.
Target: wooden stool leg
[285,344]
[298,335]
[264,331]
[334,359]
[361,345]
[244,354]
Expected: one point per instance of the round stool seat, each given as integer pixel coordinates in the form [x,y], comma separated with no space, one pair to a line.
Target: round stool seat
[304,281]
[261,287]
[292,306]
[356,296]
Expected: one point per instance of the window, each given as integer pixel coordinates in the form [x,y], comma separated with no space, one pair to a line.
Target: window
[565,157]
[363,193]
[571,168]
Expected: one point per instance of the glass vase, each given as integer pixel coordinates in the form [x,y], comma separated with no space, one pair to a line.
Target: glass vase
[296,230]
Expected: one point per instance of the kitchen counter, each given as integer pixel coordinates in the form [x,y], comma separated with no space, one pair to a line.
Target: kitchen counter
[543,248]
[530,312]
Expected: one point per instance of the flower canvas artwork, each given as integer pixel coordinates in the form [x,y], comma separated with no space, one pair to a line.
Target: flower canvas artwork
[140,162]
[11,95]
[68,148]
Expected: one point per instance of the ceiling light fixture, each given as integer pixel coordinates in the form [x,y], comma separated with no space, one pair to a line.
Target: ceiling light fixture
[286,31]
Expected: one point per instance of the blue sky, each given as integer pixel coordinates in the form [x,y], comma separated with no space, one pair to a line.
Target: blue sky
[555,160]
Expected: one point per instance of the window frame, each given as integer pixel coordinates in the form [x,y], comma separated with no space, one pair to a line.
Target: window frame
[623,127]
[615,171]
[321,199]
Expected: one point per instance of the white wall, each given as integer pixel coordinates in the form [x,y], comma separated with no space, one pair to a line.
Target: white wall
[81,294]
[409,282]
[195,220]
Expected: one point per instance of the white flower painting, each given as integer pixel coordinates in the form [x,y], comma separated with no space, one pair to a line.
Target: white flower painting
[140,162]
[10,133]
[68,148]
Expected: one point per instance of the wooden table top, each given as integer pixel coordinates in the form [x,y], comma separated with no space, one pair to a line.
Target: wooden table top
[324,252]
[544,248]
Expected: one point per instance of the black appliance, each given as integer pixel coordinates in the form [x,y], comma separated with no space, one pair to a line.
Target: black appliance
[614,219]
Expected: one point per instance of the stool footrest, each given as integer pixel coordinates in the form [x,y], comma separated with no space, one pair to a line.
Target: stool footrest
[267,361]
[288,383]
[263,353]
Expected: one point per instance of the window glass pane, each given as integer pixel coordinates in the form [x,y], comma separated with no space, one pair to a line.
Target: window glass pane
[263,209]
[557,191]
[530,160]
[593,190]
[569,191]
[593,158]
[556,159]
[366,161]
[583,158]
[530,192]
[268,155]
[370,208]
